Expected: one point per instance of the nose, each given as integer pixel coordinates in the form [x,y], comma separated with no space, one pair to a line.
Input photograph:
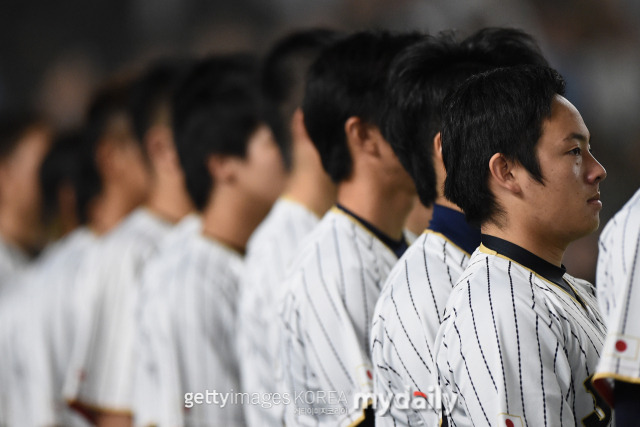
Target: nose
[597,173]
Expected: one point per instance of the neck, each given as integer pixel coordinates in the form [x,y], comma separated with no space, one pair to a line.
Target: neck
[312,189]
[231,219]
[106,211]
[18,233]
[545,248]
[169,200]
[385,209]
[443,201]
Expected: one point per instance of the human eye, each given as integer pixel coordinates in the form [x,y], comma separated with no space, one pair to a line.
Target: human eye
[576,151]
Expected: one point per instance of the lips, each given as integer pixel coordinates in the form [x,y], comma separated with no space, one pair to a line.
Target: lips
[595,198]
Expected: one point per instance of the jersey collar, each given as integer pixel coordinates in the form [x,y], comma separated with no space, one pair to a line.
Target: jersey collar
[452,224]
[543,268]
[397,246]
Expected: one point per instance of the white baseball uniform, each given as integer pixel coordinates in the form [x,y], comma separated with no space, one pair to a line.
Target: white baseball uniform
[189,324]
[618,280]
[147,395]
[407,318]
[12,260]
[101,372]
[270,250]
[326,312]
[12,263]
[519,344]
[42,347]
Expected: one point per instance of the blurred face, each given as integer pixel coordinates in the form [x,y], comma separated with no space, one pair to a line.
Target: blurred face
[20,186]
[261,172]
[568,205]
[130,169]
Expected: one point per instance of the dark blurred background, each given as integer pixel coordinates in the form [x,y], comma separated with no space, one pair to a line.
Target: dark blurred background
[53,53]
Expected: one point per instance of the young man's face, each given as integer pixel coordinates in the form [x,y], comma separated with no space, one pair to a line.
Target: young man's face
[20,185]
[263,174]
[131,170]
[568,205]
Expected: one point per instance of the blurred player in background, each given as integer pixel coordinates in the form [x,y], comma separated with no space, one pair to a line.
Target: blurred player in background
[520,338]
[336,277]
[100,383]
[234,173]
[308,194]
[618,375]
[403,340]
[25,139]
[42,348]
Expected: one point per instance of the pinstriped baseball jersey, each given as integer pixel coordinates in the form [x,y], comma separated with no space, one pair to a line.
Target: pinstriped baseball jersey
[618,280]
[406,321]
[101,372]
[520,343]
[13,303]
[269,252]
[46,336]
[11,262]
[147,395]
[191,325]
[331,292]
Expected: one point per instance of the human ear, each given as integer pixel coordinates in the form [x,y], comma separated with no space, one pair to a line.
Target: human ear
[361,137]
[437,146]
[222,168]
[503,172]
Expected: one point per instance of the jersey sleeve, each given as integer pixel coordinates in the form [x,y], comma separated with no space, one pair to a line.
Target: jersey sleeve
[503,362]
[157,399]
[324,359]
[621,353]
[106,349]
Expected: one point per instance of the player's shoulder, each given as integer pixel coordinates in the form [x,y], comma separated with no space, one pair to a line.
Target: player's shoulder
[140,228]
[206,258]
[283,228]
[132,241]
[625,222]
[491,281]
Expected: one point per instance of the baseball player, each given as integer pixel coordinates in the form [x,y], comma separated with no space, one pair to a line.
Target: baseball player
[336,278]
[42,346]
[234,173]
[24,142]
[403,340]
[309,193]
[618,278]
[521,338]
[100,379]
[147,393]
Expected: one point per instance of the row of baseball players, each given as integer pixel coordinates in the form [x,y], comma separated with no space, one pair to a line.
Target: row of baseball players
[147,302]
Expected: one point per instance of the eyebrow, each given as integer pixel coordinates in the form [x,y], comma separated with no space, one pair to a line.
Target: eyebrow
[580,137]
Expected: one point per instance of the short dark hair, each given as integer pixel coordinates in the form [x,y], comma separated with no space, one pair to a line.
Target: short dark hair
[505,47]
[423,74]
[215,111]
[347,80]
[66,163]
[13,126]
[499,111]
[150,96]
[283,76]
